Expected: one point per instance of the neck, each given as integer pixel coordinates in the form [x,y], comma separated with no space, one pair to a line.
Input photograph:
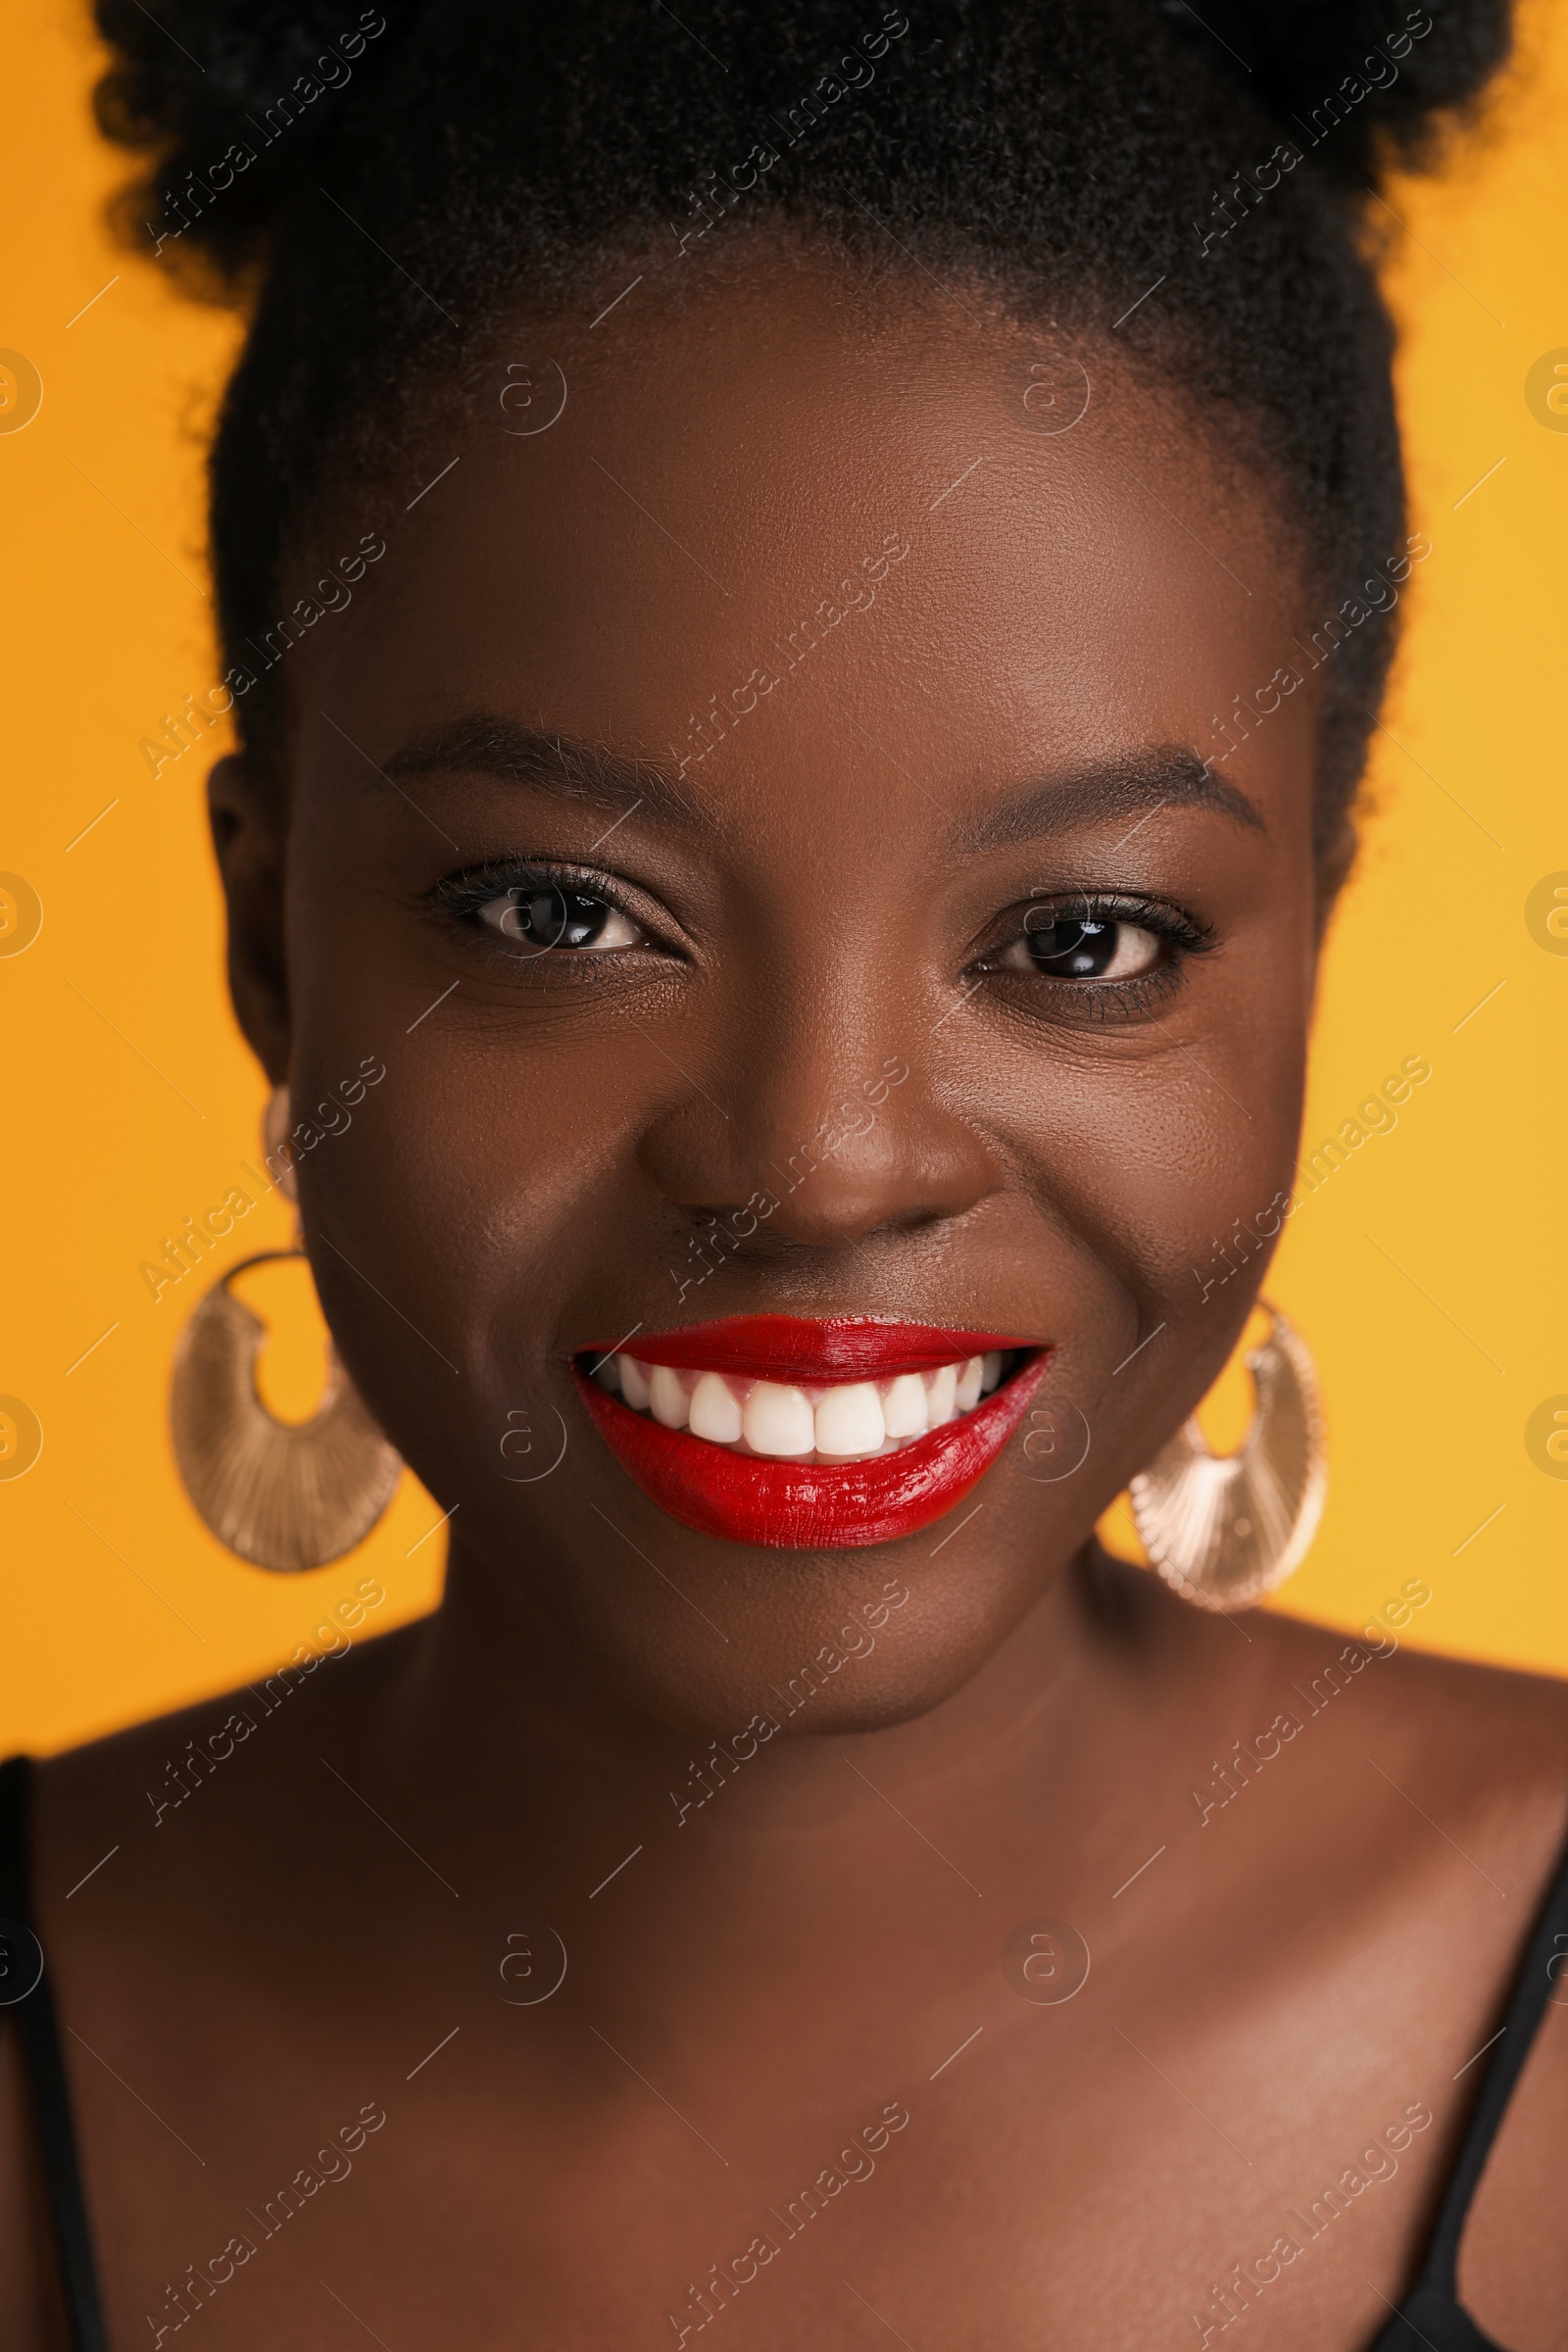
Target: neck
[512,1733]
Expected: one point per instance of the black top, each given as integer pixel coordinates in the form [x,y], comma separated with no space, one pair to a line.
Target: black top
[1431,2318]
[21,1964]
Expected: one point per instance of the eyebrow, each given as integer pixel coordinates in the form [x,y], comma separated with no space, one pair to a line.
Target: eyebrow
[1131,788]
[1169,775]
[484,743]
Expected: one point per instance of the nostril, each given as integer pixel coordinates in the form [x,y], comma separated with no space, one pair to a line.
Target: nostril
[897,1166]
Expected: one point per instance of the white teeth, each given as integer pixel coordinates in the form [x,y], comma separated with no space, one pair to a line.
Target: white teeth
[850,1421]
[783,1422]
[941,1393]
[778,1421]
[715,1412]
[668,1398]
[904,1406]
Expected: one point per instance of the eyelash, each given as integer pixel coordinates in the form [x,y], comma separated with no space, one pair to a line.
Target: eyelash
[463,896]
[1101,1000]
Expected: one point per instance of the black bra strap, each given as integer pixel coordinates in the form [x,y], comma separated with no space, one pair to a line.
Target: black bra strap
[1534,1986]
[46,2075]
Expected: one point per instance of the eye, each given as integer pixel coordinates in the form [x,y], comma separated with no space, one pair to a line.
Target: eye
[1102,955]
[1083,947]
[561,920]
[541,915]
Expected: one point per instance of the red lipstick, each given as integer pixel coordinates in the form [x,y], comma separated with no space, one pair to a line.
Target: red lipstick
[811,1506]
[798,1348]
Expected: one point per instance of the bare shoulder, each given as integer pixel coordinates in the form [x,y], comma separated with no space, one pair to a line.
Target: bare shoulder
[1464,1701]
[1375,1767]
[214,1762]
[1491,1739]
[162,1860]
[1467,1744]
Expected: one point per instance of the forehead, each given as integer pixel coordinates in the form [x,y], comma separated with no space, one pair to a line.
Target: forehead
[801,510]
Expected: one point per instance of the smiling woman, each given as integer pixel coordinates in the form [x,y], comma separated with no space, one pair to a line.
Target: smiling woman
[807,1112]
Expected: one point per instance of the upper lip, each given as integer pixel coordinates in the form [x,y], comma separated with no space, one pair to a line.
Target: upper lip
[799,1348]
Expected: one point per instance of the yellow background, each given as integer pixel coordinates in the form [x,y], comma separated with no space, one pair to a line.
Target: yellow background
[129,1099]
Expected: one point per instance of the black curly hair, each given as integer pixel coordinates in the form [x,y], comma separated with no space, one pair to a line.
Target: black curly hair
[381,191]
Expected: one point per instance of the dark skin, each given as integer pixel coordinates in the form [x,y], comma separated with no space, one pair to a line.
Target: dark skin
[839,882]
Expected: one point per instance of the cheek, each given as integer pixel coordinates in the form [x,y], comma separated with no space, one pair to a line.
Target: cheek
[465,1170]
[1152,1163]
[487,1163]
[1152,1141]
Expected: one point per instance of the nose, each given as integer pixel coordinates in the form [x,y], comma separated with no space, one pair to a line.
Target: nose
[845,1142]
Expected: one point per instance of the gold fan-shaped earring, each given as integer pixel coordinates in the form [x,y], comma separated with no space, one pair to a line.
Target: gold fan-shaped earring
[283,1497]
[1225,1528]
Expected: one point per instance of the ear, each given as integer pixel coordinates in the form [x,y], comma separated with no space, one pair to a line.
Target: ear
[248,837]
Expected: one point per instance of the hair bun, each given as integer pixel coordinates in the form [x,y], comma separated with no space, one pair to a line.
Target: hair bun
[1368,84]
[231,101]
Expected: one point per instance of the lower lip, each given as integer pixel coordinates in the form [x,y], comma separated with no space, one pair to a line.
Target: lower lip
[795,1507]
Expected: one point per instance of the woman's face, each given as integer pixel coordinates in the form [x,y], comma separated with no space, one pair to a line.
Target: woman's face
[761,823]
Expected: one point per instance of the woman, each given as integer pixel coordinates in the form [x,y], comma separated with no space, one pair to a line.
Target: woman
[802,592]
